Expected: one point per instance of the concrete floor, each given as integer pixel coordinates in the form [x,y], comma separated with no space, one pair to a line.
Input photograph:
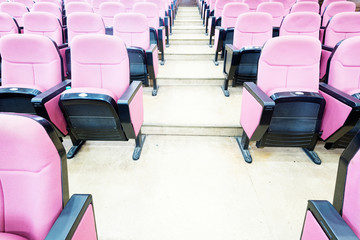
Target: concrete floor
[187,186]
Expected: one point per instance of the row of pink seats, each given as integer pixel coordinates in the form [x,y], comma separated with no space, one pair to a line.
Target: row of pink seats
[84,23]
[34,185]
[101,104]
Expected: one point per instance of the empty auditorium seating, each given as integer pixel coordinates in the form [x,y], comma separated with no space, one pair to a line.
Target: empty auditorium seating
[333,8]
[35,200]
[96,5]
[339,220]
[32,77]
[341,92]
[109,9]
[157,32]
[74,7]
[285,108]
[80,23]
[165,18]
[8,25]
[225,32]
[216,19]
[301,23]
[253,4]
[28,3]
[326,3]
[49,8]
[276,10]
[16,10]
[252,30]
[45,24]
[286,3]
[102,104]
[305,7]
[208,12]
[341,26]
[133,29]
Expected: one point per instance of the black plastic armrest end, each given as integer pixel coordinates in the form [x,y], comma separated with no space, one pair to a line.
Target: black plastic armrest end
[259,95]
[339,95]
[330,221]
[69,219]
[44,97]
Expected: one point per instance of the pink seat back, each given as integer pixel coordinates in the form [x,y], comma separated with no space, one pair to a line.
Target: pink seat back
[301,23]
[30,176]
[275,9]
[133,29]
[212,5]
[161,5]
[252,29]
[289,63]
[231,12]
[16,10]
[48,8]
[253,4]
[305,7]
[219,6]
[286,3]
[108,10]
[344,68]
[45,24]
[28,3]
[129,4]
[150,11]
[106,66]
[56,2]
[326,3]
[7,25]
[96,4]
[337,7]
[29,59]
[342,26]
[74,7]
[84,23]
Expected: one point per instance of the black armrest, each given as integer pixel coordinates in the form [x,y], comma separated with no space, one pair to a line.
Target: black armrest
[149,60]
[327,48]
[231,60]
[340,96]
[40,100]
[160,38]
[123,105]
[64,45]
[330,221]
[268,106]
[67,223]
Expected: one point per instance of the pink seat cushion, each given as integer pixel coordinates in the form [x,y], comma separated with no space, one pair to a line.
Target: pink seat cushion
[30,178]
[290,62]
[34,23]
[301,23]
[9,236]
[30,59]
[335,8]
[252,29]
[109,9]
[133,29]
[105,66]
[275,9]
[342,26]
[150,11]
[81,23]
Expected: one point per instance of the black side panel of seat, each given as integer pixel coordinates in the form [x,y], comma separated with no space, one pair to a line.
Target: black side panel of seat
[138,71]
